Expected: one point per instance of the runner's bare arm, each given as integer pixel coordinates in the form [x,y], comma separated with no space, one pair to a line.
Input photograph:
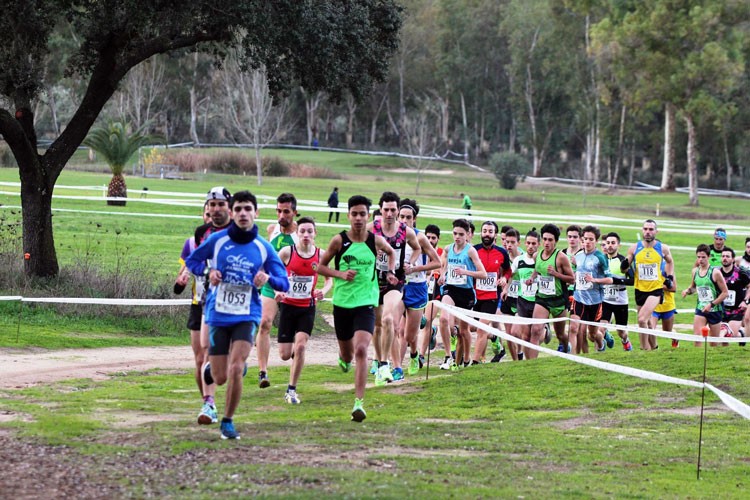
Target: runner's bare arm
[333,248]
[563,264]
[328,284]
[285,254]
[691,289]
[443,265]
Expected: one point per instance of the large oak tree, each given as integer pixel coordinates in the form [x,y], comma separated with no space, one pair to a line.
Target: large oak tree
[320,45]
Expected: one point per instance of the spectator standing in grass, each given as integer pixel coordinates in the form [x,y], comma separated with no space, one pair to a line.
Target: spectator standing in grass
[466,204]
[333,202]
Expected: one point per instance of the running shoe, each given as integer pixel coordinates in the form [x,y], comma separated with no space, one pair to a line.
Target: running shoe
[208,415]
[675,343]
[433,338]
[358,412]
[414,365]
[421,361]
[627,346]
[725,330]
[423,322]
[207,378]
[741,331]
[397,374]
[374,367]
[560,348]
[604,348]
[454,366]
[497,357]
[447,363]
[227,430]
[609,339]
[291,397]
[385,373]
[345,367]
[263,381]
[547,333]
[497,346]
[454,341]
[379,380]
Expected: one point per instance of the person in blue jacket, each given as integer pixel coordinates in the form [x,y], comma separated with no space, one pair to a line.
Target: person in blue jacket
[241,262]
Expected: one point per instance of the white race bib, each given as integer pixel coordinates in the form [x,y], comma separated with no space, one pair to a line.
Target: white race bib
[382,262]
[705,294]
[487,284]
[200,286]
[454,279]
[513,288]
[611,292]
[531,289]
[431,286]
[233,299]
[647,272]
[547,285]
[729,301]
[300,287]
[581,283]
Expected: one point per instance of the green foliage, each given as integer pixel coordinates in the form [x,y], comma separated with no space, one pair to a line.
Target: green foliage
[509,168]
[116,143]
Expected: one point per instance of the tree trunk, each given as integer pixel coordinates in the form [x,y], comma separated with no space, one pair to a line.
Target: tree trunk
[36,205]
[259,164]
[727,161]
[667,175]
[194,103]
[692,161]
[620,144]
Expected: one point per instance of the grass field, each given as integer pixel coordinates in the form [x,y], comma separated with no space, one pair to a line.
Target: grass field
[544,429]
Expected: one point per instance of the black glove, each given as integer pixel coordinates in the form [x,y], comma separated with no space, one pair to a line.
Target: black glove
[624,265]
[178,289]
[669,281]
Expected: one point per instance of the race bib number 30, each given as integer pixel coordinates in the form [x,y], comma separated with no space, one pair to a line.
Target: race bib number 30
[382,262]
[233,299]
[647,272]
[456,279]
[300,287]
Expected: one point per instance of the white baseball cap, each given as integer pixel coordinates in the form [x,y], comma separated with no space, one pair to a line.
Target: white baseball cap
[219,193]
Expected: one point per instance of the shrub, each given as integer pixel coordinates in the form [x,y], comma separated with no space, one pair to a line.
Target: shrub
[311,172]
[6,156]
[509,167]
[275,167]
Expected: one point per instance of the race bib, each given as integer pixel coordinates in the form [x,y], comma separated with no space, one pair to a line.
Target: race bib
[530,289]
[200,286]
[487,284]
[581,283]
[729,301]
[233,299]
[647,272]
[382,262]
[547,285]
[300,287]
[454,279]
[610,292]
[513,288]
[431,286]
[705,294]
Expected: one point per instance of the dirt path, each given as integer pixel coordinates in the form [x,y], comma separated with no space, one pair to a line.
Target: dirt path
[23,368]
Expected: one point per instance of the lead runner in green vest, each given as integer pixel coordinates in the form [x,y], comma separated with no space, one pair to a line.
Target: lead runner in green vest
[356,292]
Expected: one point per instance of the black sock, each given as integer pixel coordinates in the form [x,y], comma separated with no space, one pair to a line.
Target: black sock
[262,373]
[413,354]
[226,420]
[291,388]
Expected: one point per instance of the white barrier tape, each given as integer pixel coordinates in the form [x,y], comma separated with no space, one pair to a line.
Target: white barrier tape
[669,335]
[109,302]
[515,320]
[731,402]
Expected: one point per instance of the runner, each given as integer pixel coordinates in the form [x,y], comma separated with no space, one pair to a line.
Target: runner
[416,294]
[738,294]
[200,355]
[709,284]
[355,292]
[280,235]
[391,307]
[654,268]
[720,238]
[217,204]
[508,301]
[297,308]
[496,263]
[460,267]
[243,261]
[429,332]
[616,295]
[552,271]
[743,261]
[573,234]
[592,271]
[524,288]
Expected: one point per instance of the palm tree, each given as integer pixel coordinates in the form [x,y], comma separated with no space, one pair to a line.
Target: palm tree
[116,144]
